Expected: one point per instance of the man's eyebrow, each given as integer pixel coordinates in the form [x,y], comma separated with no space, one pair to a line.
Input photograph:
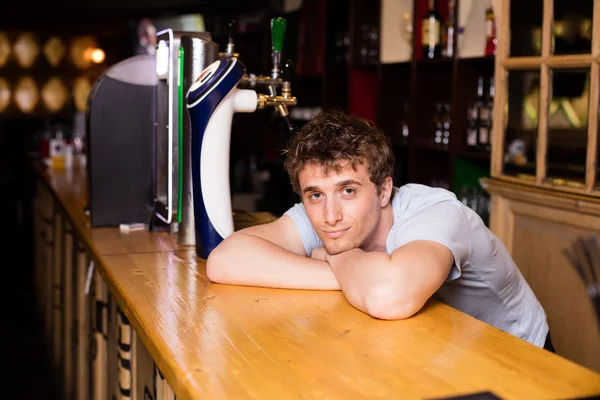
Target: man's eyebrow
[339,184]
[349,182]
[310,189]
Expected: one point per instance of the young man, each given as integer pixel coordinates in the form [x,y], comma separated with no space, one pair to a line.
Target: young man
[388,249]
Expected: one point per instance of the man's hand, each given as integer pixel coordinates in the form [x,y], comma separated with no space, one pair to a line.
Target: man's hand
[320,254]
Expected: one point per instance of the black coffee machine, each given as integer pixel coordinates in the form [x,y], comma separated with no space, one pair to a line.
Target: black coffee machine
[119,131]
[133,112]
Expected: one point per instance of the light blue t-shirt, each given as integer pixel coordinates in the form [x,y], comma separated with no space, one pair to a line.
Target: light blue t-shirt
[484,281]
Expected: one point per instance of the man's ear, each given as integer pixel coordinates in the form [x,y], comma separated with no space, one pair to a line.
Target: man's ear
[386,191]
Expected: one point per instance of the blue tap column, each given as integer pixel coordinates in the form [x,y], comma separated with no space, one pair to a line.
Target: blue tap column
[211,102]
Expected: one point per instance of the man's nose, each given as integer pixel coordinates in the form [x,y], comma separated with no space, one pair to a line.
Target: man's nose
[333,211]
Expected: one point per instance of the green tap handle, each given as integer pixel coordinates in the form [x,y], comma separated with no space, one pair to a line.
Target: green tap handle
[277,32]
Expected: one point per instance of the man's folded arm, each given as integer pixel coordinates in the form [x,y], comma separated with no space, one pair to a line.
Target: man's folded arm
[392,286]
[269,255]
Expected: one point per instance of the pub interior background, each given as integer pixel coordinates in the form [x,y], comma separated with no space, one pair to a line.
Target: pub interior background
[422,104]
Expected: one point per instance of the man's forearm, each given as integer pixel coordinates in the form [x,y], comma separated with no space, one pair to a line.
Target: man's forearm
[244,259]
[372,284]
[359,273]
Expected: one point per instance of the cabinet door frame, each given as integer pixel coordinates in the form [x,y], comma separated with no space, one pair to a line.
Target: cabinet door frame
[544,64]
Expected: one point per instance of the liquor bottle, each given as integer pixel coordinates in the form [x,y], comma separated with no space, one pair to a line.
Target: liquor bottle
[485,121]
[490,32]
[485,130]
[448,33]
[404,131]
[473,112]
[431,32]
[446,122]
[439,126]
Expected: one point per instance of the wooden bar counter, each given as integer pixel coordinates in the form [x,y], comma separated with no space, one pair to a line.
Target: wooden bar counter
[214,341]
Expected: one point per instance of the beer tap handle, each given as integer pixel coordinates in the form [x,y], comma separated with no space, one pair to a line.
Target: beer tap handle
[230,45]
[287,76]
[277,33]
[288,71]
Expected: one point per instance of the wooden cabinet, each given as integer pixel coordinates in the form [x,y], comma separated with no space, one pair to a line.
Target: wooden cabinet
[96,354]
[544,162]
[537,225]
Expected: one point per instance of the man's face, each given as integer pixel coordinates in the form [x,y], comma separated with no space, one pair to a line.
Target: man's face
[344,208]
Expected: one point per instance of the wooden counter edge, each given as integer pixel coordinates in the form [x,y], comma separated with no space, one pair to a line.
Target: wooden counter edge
[181,385]
[166,367]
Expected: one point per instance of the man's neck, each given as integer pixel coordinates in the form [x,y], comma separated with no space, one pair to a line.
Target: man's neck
[378,240]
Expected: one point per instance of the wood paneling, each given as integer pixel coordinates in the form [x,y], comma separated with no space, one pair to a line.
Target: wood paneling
[143,371]
[68,306]
[543,194]
[100,332]
[57,296]
[82,308]
[536,227]
[501,80]
[592,149]
[538,243]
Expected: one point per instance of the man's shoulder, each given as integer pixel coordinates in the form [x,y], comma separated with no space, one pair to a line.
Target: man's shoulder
[413,197]
[296,209]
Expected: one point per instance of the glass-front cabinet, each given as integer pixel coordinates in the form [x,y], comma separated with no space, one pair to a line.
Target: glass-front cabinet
[547,93]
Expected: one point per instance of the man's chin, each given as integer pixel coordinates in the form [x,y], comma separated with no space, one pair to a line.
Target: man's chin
[337,248]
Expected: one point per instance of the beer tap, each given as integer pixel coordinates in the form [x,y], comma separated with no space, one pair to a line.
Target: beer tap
[230,49]
[278,26]
[277,32]
[280,102]
[279,77]
[230,45]
[220,91]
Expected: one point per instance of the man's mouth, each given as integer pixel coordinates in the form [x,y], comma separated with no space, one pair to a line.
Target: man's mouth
[334,234]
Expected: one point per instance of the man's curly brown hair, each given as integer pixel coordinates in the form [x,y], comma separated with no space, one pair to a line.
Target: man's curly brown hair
[333,136]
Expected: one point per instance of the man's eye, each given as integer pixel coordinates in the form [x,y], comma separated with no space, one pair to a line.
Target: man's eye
[348,191]
[315,196]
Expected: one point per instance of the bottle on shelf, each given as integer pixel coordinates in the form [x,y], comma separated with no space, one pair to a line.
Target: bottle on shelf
[490,32]
[404,131]
[485,130]
[431,32]
[484,122]
[448,32]
[438,124]
[446,123]
[373,46]
[338,53]
[473,113]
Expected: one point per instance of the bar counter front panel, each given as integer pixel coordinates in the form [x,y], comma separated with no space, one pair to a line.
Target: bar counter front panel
[154,326]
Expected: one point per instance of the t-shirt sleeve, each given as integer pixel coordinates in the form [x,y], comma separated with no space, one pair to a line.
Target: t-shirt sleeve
[444,223]
[309,237]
